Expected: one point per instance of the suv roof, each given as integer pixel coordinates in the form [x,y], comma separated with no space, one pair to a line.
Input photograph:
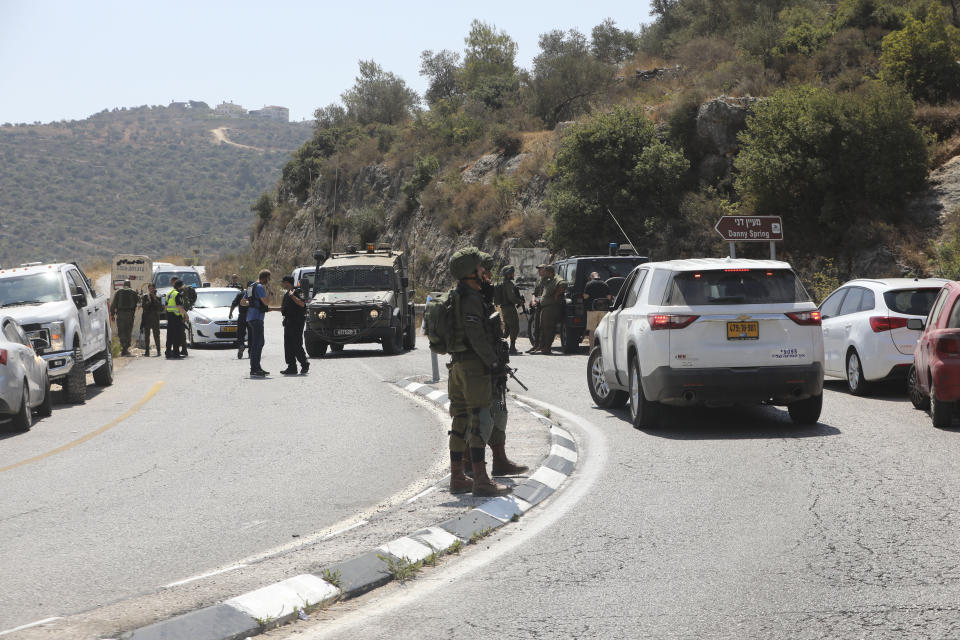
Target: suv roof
[697,264]
[898,283]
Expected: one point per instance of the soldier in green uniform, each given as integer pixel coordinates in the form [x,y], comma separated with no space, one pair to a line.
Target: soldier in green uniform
[534,336]
[150,309]
[551,305]
[507,297]
[473,360]
[123,308]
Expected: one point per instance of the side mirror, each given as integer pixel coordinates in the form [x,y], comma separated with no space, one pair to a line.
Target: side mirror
[916,324]
[80,300]
[405,282]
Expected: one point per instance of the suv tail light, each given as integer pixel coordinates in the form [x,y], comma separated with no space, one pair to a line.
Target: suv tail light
[3,356]
[806,318]
[948,346]
[669,321]
[885,323]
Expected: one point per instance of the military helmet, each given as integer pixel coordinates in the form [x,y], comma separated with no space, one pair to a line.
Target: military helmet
[464,262]
[508,270]
[486,260]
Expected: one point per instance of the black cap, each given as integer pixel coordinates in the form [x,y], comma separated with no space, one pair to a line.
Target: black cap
[288,279]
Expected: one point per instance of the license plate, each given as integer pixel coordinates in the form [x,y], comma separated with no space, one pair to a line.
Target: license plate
[229,329]
[346,332]
[743,331]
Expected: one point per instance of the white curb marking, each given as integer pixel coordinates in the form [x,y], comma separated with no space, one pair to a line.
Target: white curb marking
[279,599]
[436,394]
[549,477]
[563,433]
[407,548]
[504,507]
[563,452]
[27,626]
[437,538]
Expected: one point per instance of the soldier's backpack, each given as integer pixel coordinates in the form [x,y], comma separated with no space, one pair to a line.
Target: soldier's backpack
[189,297]
[439,320]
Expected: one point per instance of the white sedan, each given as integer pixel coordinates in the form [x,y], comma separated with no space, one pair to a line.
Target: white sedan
[24,385]
[207,321]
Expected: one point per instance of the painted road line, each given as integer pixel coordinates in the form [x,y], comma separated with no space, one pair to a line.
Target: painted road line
[28,626]
[93,434]
[345,529]
[421,494]
[204,575]
[563,452]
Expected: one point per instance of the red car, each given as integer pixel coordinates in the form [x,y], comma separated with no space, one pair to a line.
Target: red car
[934,378]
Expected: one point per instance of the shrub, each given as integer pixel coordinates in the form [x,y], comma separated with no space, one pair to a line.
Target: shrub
[923,57]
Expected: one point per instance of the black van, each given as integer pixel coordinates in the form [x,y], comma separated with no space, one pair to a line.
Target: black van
[575,271]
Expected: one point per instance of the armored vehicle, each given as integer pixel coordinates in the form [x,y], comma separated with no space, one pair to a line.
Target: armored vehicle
[361,296]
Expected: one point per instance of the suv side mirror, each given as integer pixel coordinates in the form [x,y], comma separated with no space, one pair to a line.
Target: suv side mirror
[916,324]
[80,300]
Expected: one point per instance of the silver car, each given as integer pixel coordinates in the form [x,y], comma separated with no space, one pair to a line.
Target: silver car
[24,385]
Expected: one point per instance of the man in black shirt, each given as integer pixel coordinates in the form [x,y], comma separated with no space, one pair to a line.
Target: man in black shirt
[294,311]
[241,320]
[595,289]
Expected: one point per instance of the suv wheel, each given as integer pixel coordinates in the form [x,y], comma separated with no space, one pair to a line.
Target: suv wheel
[410,335]
[315,347]
[103,375]
[600,391]
[856,383]
[806,411]
[940,412]
[643,413]
[336,348]
[570,339]
[46,407]
[23,419]
[917,399]
[75,384]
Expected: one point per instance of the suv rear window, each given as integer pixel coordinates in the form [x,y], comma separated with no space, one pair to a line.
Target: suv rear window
[735,286]
[914,302]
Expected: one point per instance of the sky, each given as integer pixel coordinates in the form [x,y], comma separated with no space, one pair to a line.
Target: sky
[69,59]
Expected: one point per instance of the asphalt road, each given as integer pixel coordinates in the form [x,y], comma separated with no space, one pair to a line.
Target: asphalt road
[726,524]
[208,467]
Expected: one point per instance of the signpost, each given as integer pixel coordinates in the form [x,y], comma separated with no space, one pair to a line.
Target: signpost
[137,269]
[735,229]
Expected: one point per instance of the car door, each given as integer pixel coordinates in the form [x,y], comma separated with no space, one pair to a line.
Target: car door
[928,338]
[843,328]
[28,357]
[628,320]
[609,338]
[84,314]
[832,330]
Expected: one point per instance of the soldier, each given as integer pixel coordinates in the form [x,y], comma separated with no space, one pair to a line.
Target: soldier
[551,304]
[294,311]
[473,359]
[507,296]
[534,336]
[150,309]
[123,308]
[240,304]
[176,336]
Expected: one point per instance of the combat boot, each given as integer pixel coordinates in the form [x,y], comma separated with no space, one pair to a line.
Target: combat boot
[483,486]
[503,466]
[467,464]
[459,483]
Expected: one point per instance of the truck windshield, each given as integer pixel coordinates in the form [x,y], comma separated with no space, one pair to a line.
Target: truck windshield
[210,299]
[31,289]
[354,279]
[161,279]
[606,269]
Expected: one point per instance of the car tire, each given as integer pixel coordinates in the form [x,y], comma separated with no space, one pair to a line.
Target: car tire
[315,347]
[806,412]
[23,419]
[644,414]
[856,383]
[193,343]
[917,398]
[393,344]
[336,348]
[45,409]
[570,339]
[75,384]
[941,412]
[603,396]
[103,375]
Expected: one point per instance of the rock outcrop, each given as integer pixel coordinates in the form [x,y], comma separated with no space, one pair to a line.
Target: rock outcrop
[719,121]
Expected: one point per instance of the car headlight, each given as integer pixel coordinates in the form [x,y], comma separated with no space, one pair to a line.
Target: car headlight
[321,315]
[374,313]
[57,337]
[199,319]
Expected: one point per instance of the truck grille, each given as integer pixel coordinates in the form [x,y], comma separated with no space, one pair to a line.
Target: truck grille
[345,318]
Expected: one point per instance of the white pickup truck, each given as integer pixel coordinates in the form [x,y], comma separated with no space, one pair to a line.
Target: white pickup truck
[67,323]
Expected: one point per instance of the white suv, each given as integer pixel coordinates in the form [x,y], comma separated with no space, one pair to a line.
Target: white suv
[712,332]
[865,334]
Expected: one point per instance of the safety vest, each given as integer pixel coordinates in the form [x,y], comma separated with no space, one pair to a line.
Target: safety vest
[172,302]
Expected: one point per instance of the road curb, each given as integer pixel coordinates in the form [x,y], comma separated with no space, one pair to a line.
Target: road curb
[255,612]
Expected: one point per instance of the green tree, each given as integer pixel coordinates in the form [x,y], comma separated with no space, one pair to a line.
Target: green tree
[489,73]
[566,76]
[614,162]
[612,45]
[263,207]
[829,161]
[379,96]
[441,70]
[923,57]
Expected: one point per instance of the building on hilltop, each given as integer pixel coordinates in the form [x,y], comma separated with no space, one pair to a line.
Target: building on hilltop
[272,112]
[230,110]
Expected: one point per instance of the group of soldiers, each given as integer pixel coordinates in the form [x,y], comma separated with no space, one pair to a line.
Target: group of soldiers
[546,307]
[152,307]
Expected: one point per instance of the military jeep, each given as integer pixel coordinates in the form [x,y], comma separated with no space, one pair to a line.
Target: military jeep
[361,296]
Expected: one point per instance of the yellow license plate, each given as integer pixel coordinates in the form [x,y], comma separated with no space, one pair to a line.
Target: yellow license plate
[229,329]
[743,331]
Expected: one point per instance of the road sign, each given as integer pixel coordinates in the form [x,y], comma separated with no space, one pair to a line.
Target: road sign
[137,269]
[750,228]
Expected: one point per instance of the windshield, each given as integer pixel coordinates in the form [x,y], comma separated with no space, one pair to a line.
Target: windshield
[209,299]
[161,279]
[736,286]
[31,289]
[355,279]
[913,302]
[606,269]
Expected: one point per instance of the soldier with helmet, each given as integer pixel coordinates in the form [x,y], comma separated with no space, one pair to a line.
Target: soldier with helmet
[507,297]
[474,359]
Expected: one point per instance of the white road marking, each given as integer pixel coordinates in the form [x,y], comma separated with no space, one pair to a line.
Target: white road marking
[204,575]
[563,452]
[563,433]
[344,530]
[592,464]
[436,394]
[279,599]
[421,494]
[27,626]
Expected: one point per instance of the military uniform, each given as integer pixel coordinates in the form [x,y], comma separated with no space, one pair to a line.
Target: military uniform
[150,309]
[551,306]
[534,336]
[124,308]
[176,337]
[507,297]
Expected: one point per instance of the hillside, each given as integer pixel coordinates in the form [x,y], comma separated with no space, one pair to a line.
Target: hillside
[152,180]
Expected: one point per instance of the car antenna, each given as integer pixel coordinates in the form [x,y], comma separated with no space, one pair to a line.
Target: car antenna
[632,246]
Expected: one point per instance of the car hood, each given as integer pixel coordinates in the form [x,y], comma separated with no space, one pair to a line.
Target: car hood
[39,313]
[214,313]
[353,297]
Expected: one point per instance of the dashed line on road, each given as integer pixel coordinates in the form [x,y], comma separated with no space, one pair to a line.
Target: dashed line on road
[28,626]
[204,575]
[93,434]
